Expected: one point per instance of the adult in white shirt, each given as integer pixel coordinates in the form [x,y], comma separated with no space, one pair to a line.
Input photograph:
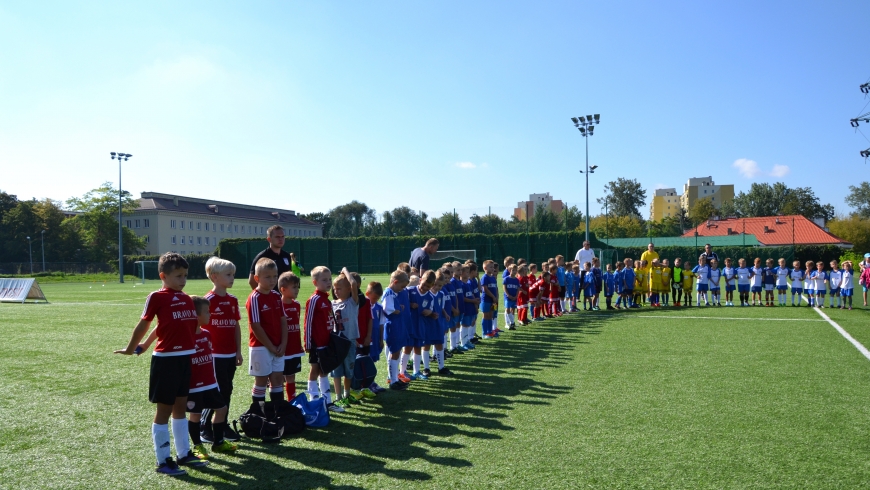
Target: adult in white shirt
[585,254]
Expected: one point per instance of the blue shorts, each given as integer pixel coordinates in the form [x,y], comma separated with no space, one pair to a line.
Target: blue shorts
[755,289]
[864,288]
[782,288]
[714,290]
[729,288]
[485,307]
[797,290]
[810,292]
[743,288]
[821,292]
[628,292]
[508,304]
[846,292]
[701,288]
[835,291]
[469,320]
[345,369]
[569,293]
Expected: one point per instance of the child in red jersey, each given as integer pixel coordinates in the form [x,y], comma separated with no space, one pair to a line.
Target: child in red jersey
[226,336]
[267,329]
[204,393]
[288,284]
[169,382]
[319,323]
[555,301]
[523,296]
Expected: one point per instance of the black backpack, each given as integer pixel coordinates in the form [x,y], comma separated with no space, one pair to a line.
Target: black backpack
[270,421]
[287,416]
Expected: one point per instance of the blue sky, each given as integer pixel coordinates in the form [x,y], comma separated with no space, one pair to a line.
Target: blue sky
[433,105]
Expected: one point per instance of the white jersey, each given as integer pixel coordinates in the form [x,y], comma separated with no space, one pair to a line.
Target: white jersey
[729,273]
[715,274]
[797,278]
[781,276]
[846,280]
[834,278]
[702,272]
[759,275]
[809,283]
[743,275]
[819,277]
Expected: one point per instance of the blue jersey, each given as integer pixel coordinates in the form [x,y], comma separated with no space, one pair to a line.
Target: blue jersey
[769,275]
[471,292]
[617,280]
[511,287]
[378,321]
[430,330]
[628,278]
[589,288]
[459,295]
[569,280]
[609,283]
[415,297]
[596,275]
[560,275]
[490,284]
[449,295]
[397,318]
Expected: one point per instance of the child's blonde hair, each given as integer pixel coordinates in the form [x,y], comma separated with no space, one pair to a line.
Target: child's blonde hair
[399,276]
[217,265]
[508,261]
[264,264]
[319,271]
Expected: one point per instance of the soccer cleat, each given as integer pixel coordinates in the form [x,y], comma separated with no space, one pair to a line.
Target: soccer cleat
[199,451]
[511,327]
[447,354]
[368,393]
[470,346]
[170,467]
[404,378]
[224,446]
[192,461]
[427,372]
[399,386]
[356,396]
[334,407]
[344,403]
[207,435]
[231,435]
[445,372]
[419,377]
[375,388]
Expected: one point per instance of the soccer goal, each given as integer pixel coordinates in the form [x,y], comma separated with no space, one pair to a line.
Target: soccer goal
[460,255]
[150,264]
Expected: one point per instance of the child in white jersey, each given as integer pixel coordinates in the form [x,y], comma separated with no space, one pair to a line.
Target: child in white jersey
[821,278]
[757,282]
[715,275]
[781,281]
[797,282]
[834,278]
[702,272]
[744,276]
[846,284]
[730,275]
[810,283]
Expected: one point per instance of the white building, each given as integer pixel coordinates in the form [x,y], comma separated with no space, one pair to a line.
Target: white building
[189,225]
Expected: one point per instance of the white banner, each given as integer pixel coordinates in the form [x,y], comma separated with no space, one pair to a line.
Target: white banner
[20,290]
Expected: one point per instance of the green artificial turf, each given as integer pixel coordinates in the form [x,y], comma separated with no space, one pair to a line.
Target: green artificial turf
[651,398]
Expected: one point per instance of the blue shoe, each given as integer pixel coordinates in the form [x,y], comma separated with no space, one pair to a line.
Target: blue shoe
[419,377]
[469,346]
[170,467]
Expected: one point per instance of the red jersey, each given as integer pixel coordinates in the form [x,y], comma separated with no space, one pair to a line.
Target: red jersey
[225,316]
[364,317]
[544,284]
[294,334]
[319,320]
[554,286]
[267,310]
[523,293]
[534,289]
[202,375]
[176,321]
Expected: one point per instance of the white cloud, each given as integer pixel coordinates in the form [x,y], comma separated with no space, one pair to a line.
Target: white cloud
[465,165]
[660,186]
[747,168]
[780,171]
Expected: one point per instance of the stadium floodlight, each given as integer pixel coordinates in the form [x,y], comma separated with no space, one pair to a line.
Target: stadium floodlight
[120,156]
[865,88]
[586,125]
[865,153]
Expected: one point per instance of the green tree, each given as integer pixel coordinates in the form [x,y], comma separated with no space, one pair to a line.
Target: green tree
[97,225]
[859,198]
[320,218]
[765,199]
[625,197]
[669,226]
[544,219]
[605,227]
[702,210]
[853,229]
[348,220]
[447,224]
[401,221]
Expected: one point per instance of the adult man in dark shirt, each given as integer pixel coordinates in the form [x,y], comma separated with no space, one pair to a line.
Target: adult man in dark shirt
[709,254]
[275,237]
[420,256]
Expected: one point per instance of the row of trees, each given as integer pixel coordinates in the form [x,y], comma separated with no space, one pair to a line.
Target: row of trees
[82,229]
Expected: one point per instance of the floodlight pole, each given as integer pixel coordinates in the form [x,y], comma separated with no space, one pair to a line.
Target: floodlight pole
[586,125]
[125,157]
[30,246]
[43,250]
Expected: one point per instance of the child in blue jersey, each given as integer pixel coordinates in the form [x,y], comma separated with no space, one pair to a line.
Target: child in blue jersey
[821,285]
[714,280]
[588,287]
[508,261]
[576,268]
[702,272]
[511,285]
[488,299]
[834,278]
[396,335]
[769,282]
[757,284]
[781,272]
[628,278]
[730,276]
[609,279]
[560,277]
[470,302]
[458,309]
[417,327]
[374,292]
[617,283]
[570,299]
[797,282]
[436,324]
[596,273]
[744,278]
[810,283]
[846,284]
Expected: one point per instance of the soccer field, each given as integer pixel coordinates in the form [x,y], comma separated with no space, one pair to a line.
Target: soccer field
[664,398]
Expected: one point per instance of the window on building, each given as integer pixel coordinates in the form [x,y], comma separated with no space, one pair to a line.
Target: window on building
[129,224]
[146,239]
[236,228]
[183,241]
[146,223]
[191,224]
[206,240]
[215,240]
[199,225]
[136,223]
[206,226]
[222,227]
[249,230]
[147,252]
[191,240]
[182,225]
[199,240]
[183,252]
[172,239]
[172,223]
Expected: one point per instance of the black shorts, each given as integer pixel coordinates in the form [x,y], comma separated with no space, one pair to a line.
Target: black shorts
[197,402]
[312,357]
[292,366]
[562,292]
[225,371]
[170,379]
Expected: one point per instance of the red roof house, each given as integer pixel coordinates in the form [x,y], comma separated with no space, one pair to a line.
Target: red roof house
[771,231]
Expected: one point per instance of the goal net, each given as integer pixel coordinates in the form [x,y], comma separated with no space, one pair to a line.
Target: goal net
[147,268]
[442,256]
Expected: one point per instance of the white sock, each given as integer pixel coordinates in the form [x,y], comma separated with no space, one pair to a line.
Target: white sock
[416,363]
[454,338]
[447,337]
[325,390]
[181,435]
[313,390]
[507,318]
[160,436]
[426,358]
[439,356]
[403,362]
[393,370]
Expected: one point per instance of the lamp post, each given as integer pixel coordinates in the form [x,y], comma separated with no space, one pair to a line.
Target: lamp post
[30,246]
[586,125]
[43,250]
[125,157]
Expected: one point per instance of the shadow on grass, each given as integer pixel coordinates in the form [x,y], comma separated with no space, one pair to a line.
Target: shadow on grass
[419,423]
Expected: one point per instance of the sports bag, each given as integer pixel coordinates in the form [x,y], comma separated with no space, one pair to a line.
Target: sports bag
[364,371]
[314,412]
[288,417]
[256,425]
[331,356]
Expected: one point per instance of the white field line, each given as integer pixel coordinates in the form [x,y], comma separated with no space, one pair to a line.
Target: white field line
[863,350]
[734,318]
